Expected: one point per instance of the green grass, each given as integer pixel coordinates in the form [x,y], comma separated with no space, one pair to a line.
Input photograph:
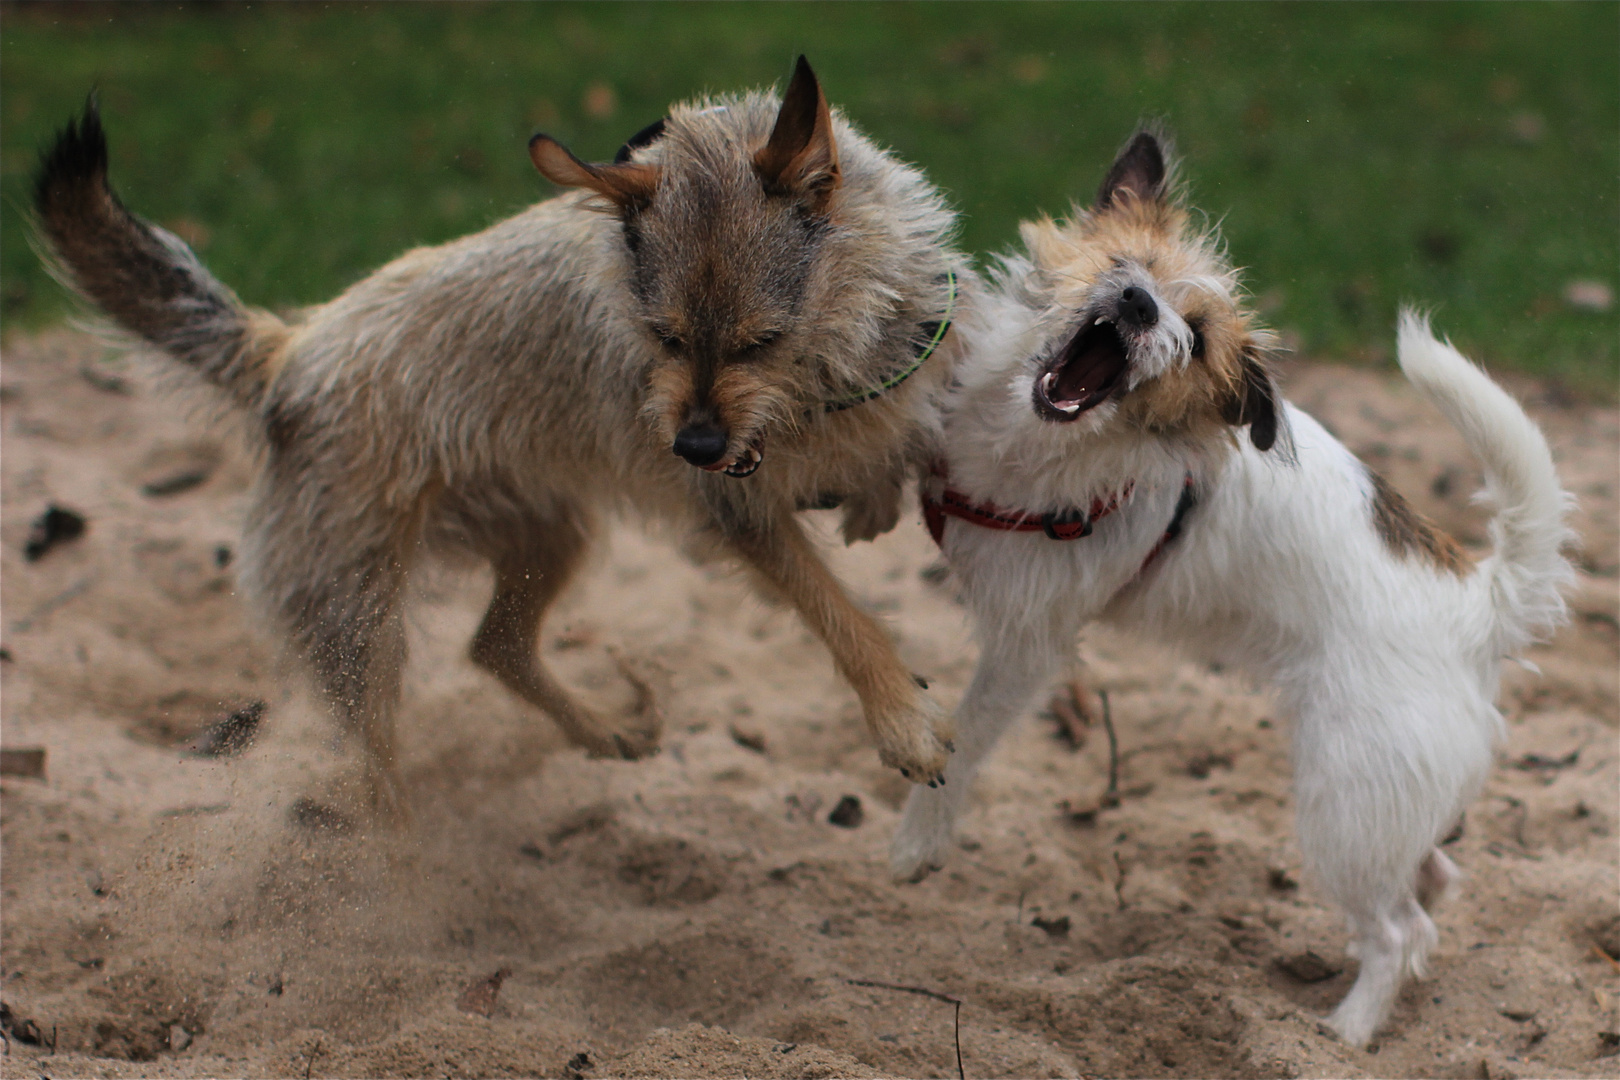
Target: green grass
[1462,155]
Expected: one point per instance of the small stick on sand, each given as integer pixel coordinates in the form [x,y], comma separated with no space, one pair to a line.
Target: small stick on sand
[1604,953]
[1111,797]
[961,1073]
[310,1064]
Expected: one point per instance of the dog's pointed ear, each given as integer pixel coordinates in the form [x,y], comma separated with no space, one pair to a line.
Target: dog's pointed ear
[1139,169]
[1253,402]
[627,185]
[801,157]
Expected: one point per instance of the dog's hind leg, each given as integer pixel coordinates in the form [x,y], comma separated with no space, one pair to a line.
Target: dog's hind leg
[347,621]
[1435,876]
[333,565]
[1392,941]
[1010,672]
[533,562]
[1376,785]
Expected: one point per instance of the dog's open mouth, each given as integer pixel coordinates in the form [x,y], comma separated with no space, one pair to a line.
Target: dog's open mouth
[743,464]
[1084,375]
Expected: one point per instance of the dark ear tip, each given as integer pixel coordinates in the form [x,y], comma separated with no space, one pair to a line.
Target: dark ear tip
[802,72]
[537,136]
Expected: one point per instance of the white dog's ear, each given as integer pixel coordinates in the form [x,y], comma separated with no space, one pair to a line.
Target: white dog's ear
[801,158]
[1253,402]
[1141,169]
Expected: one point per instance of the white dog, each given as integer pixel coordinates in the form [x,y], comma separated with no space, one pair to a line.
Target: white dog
[1097,466]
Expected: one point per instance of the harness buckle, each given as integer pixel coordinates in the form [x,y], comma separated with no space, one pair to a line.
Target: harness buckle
[1066,521]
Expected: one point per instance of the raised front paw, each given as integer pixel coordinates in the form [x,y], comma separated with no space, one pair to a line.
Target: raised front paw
[870,514]
[916,740]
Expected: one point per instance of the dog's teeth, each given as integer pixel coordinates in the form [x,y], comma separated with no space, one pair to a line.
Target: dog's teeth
[1048,381]
[1072,409]
[1100,320]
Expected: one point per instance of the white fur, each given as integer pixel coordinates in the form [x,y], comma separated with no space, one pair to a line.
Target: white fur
[1387,665]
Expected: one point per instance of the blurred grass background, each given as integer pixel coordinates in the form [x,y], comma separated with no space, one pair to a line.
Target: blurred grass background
[1462,155]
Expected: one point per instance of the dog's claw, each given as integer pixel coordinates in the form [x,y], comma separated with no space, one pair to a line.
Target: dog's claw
[916,743]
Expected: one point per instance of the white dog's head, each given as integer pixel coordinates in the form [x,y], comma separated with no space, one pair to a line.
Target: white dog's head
[1147,326]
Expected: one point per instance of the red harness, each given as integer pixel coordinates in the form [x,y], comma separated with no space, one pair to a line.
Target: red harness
[1069,525]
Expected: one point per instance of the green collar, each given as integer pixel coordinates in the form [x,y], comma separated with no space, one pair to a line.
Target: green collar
[933,333]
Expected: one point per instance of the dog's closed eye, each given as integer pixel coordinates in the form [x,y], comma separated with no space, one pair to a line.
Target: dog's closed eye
[760,343]
[669,339]
[1197,339]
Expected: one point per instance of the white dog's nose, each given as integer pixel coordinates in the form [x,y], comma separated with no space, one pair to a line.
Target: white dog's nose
[1137,308]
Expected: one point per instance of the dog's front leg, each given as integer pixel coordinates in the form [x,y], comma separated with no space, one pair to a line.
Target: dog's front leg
[1013,667]
[912,733]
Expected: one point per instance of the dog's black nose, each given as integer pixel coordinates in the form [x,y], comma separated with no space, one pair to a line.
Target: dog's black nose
[701,444]
[1137,308]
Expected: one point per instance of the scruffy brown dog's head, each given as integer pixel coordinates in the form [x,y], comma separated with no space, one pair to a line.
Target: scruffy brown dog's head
[1155,335]
[726,210]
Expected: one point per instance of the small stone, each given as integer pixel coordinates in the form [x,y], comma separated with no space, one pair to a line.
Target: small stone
[847,814]
[24,761]
[179,1038]
[57,525]
[1308,967]
[747,739]
[478,999]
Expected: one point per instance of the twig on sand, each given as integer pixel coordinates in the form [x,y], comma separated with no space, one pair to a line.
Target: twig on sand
[1111,798]
[1604,953]
[925,992]
[310,1064]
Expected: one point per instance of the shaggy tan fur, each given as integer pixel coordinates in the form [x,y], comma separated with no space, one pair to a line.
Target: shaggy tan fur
[497,394]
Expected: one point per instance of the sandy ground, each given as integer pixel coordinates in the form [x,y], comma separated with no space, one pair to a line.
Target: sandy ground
[697,914]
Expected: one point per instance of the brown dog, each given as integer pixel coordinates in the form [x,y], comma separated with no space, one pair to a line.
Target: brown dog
[753,284]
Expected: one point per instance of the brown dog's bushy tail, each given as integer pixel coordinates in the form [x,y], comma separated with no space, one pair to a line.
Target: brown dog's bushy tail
[143,276]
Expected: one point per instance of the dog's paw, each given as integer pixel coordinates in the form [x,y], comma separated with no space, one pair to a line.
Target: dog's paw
[870,514]
[1352,1023]
[627,738]
[633,736]
[924,836]
[917,742]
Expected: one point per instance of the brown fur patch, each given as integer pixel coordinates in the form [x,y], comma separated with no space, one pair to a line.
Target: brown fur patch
[1408,533]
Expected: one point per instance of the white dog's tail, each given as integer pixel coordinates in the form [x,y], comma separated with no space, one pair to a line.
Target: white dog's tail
[1528,572]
